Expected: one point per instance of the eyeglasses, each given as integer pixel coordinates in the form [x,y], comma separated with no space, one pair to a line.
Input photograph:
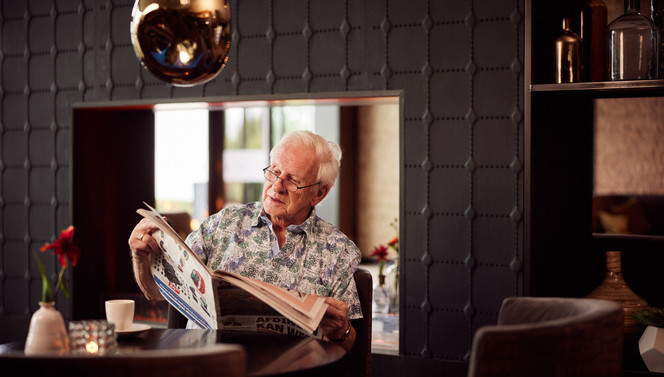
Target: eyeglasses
[290,186]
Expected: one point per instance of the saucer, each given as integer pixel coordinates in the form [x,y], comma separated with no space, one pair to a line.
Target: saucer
[135,329]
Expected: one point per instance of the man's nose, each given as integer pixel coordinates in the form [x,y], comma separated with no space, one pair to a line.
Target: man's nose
[280,184]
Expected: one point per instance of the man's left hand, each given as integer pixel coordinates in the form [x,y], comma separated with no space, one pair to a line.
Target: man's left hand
[335,321]
[336,325]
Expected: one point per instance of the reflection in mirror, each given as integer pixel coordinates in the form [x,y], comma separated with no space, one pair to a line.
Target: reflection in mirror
[195,158]
[250,130]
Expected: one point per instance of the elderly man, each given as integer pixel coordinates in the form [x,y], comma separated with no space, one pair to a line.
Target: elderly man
[279,240]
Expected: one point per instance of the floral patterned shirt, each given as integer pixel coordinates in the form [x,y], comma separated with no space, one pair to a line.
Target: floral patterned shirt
[316,258]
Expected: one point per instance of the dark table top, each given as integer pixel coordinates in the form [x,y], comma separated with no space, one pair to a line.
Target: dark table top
[267,354]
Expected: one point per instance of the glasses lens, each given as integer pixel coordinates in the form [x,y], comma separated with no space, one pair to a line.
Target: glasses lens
[270,176]
[290,186]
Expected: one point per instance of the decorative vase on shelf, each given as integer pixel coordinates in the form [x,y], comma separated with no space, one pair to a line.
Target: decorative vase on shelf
[47,334]
[633,45]
[568,55]
[651,348]
[392,282]
[381,297]
[614,288]
[593,36]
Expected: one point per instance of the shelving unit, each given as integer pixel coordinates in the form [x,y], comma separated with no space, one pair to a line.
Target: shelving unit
[563,256]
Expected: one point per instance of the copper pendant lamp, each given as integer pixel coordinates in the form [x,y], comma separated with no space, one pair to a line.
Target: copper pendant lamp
[182,42]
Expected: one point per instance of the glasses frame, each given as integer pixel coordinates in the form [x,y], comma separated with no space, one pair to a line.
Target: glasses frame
[267,169]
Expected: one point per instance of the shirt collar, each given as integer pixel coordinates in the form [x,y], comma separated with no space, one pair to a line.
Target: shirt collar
[260,217]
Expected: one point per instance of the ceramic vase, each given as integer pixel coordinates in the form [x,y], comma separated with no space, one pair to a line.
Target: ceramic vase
[47,334]
[614,288]
[651,347]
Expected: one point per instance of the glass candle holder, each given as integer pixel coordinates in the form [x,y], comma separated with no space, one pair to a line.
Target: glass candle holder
[95,337]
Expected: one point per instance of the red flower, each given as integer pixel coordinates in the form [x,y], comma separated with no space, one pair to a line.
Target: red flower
[64,247]
[380,252]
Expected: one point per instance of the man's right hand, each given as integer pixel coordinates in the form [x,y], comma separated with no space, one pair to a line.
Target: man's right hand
[141,242]
[142,245]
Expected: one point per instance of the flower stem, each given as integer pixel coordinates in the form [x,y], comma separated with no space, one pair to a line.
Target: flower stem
[60,283]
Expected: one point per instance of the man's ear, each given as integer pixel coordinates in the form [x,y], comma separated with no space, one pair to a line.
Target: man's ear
[322,192]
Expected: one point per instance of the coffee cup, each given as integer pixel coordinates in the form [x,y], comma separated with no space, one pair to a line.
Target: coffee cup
[120,313]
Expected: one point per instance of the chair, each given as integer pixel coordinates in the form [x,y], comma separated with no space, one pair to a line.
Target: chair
[359,357]
[180,222]
[358,360]
[200,361]
[550,337]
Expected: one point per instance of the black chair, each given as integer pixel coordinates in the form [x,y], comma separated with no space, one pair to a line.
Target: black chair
[546,336]
[359,357]
[358,360]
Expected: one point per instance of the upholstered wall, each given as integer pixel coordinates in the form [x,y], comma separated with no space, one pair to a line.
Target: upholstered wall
[457,64]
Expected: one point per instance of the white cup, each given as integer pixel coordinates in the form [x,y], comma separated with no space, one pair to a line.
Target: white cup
[120,313]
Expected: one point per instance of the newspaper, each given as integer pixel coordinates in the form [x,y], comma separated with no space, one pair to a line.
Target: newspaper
[216,299]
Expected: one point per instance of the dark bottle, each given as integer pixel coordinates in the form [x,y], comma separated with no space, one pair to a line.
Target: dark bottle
[657,15]
[593,35]
[568,55]
[633,45]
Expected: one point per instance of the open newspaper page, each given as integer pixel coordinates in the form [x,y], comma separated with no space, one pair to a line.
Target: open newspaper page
[184,282]
[237,309]
[181,277]
[204,296]
[304,310]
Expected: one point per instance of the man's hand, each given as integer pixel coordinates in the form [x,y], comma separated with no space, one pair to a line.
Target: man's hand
[142,245]
[336,325]
[141,242]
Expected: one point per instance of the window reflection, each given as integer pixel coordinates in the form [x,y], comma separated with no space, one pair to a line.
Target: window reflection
[181,162]
[182,153]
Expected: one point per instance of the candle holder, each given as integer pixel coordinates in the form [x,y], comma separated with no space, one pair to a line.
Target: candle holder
[95,337]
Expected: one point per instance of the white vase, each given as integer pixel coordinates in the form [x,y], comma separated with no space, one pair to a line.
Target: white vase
[651,347]
[381,297]
[392,283]
[47,334]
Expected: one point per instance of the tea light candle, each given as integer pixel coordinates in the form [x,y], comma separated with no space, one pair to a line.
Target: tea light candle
[96,337]
[92,347]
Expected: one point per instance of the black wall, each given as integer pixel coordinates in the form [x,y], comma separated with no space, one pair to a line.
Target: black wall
[458,65]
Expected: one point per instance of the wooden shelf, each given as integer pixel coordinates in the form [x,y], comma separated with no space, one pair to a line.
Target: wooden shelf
[608,242]
[635,373]
[602,89]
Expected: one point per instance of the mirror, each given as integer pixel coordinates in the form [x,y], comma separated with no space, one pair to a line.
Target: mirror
[114,170]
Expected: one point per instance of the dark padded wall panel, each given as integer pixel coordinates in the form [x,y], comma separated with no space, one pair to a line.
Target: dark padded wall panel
[457,63]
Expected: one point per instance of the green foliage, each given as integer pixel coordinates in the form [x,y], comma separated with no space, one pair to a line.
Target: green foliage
[47,294]
[654,317]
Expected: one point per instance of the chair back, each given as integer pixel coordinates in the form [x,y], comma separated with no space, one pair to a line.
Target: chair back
[544,336]
[360,355]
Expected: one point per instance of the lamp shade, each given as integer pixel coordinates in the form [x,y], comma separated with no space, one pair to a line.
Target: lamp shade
[182,42]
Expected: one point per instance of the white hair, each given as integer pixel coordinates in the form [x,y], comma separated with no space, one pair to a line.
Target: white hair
[327,152]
